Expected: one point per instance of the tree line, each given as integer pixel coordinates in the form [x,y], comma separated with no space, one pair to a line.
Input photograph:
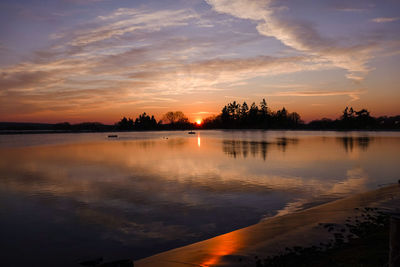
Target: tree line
[170,121]
[233,115]
[243,116]
[356,120]
[240,116]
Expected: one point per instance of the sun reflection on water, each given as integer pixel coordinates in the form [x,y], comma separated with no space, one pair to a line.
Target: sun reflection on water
[223,245]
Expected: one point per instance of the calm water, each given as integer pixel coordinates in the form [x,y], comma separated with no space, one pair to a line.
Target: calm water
[71,197]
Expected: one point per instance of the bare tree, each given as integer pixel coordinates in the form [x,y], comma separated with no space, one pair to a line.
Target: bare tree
[175,117]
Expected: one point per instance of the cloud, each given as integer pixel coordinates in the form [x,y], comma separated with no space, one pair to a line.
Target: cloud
[351,9]
[216,74]
[202,113]
[21,79]
[351,6]
[84,2]
[353,94]
[124,21]
[384,20]
[133,58]
[299,35]
[98,74]
[236,97]
[129,78]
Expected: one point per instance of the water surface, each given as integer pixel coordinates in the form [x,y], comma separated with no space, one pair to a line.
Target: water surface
[71,197]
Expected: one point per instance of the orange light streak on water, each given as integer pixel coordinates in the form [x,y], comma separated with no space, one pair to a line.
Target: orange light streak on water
[224,245]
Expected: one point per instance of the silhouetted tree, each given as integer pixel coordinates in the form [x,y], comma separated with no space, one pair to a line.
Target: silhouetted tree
[176,120]
[225,116]
[233,110]
[145,122]
[125,124]
[263,108]
[233,115]
[253,115]
[62,126]
[175,117]
[384,122]
[352,119]
[243,114]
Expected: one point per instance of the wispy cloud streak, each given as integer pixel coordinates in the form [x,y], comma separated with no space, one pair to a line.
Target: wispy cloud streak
[353,94]
[299,35]
[101,65]
[383,20]
[136,58]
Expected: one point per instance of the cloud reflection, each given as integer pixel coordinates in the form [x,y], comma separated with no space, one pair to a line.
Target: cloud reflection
[161,193]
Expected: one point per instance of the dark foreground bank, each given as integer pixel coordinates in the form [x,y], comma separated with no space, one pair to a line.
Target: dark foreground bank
[348,232]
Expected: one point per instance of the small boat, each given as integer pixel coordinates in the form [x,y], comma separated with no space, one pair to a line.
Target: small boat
[191,132]
[113,136]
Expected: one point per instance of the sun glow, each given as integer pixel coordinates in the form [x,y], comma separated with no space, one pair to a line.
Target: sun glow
[221,246]
[198,122]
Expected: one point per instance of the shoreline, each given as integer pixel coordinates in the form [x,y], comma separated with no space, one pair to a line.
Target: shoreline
[272,236]
[24,132]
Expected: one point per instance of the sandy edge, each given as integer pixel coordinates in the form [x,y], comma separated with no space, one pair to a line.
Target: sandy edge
[272,236]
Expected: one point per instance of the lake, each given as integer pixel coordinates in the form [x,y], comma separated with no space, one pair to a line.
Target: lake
[66,198]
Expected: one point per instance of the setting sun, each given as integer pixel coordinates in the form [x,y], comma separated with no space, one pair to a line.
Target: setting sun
[198,122]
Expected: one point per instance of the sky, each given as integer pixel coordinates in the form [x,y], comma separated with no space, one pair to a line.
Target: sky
[100,60]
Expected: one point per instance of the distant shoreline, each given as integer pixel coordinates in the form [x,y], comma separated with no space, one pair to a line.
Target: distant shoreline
[7,132]
[22,132]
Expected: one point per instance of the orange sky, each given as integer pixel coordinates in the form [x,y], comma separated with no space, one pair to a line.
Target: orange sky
[99,61]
